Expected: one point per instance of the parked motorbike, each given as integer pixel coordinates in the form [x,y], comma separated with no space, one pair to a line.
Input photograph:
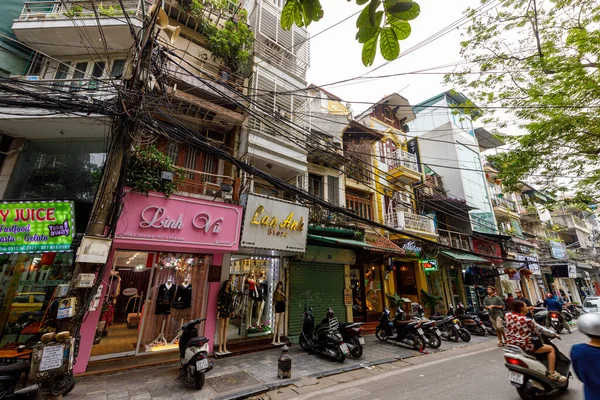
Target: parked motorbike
[352,335]
[325,337]
[470,322]
[11,374]
[433,336]
[193,353]
[407,333]
[483,315]
[450,329]
[527,371]
[575,310]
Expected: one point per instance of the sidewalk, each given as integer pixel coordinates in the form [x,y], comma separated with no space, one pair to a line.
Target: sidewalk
[239,376]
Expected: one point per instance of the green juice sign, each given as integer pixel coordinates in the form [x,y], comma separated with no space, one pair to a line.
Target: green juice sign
[36,226]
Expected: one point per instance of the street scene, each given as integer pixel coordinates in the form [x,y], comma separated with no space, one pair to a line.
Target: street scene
[277,199]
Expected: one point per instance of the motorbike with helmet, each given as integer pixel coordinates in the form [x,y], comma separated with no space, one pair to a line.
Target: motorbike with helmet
[323,338]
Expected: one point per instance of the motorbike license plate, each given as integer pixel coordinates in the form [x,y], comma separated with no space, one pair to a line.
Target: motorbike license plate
[344,348]
[438,332]
[420,331]
[515,377]
[201,364]
[456,326]
[554,319]
[361,340]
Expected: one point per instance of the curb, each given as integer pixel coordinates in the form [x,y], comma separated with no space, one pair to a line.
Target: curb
[336,371]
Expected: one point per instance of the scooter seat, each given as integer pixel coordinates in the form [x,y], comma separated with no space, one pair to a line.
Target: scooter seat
[197,341]
[344,325]
[18,367]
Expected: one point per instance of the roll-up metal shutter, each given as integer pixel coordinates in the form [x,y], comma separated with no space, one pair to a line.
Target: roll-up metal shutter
[319,286]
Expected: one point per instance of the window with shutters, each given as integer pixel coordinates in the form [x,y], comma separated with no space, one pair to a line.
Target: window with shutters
[360,203]
[173,152]
[190,161]
[315,185]
[333,190]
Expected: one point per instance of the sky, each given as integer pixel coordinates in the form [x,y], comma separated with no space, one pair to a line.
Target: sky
[336,55]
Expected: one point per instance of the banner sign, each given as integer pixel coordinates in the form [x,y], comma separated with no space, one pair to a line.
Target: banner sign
[36,226]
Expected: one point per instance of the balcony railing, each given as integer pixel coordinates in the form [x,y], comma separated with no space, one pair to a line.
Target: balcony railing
[404,159]
[580,223]
[85,88]
[408,221]
[571,222]
[505,203]
[62,9]
[455,239]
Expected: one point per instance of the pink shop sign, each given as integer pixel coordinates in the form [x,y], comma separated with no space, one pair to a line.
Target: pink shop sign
[182,222]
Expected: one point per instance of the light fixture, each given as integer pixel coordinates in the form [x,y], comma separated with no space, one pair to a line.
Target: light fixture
[404,268]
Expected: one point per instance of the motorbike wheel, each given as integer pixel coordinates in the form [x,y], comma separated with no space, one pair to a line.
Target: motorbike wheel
[357,352]
[480,331]
[558,327]
[339,356]
[380,334]
[199,380]
[433,340]
[525,394]
[63,384]
[464,334]
[454,335]
[303,342]
[418,342]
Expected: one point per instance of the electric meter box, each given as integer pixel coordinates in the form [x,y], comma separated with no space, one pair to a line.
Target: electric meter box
[85,280]
[62,290]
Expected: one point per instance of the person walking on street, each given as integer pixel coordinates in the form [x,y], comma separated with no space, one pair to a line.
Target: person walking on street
[495,306]
[554,305]
[586,356]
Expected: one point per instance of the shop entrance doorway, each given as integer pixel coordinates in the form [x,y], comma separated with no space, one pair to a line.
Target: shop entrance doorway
[367,293]
[128,284]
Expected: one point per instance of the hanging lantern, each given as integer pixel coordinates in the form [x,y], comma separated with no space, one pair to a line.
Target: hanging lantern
[526,272]
[510,271]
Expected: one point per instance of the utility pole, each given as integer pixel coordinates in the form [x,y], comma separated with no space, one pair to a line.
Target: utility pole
[106,207]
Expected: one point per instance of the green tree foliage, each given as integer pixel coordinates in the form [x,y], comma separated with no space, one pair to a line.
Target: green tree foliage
[380,25]
[538,60]
[144,172]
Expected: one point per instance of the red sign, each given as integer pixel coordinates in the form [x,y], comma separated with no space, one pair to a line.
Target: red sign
[488,248]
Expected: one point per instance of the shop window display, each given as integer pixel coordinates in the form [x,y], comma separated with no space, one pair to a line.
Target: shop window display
[27,286]
[253,281]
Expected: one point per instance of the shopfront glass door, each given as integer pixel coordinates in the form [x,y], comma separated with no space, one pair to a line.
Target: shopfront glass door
[127,286]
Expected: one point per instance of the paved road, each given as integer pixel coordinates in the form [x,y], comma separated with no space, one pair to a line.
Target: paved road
[476,372]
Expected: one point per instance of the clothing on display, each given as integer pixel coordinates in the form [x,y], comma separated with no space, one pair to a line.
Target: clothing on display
[183,297]
[279,300]
[225,304]
[166,293]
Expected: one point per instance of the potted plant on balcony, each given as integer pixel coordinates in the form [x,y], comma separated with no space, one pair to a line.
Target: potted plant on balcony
[145,172]
[232,45]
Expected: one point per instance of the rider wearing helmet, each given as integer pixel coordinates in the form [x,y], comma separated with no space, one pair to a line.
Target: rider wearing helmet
[554,305]
[586,356]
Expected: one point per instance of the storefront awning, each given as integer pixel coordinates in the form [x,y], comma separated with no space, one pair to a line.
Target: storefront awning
[353,243]
[383,245]
[464,257]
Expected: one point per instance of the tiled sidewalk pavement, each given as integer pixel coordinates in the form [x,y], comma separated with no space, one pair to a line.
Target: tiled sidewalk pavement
[238,376]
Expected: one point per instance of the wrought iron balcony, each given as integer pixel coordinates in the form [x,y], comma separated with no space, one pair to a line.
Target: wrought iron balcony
[455,239]
[403,166]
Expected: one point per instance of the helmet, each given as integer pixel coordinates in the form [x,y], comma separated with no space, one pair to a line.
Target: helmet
[549,295]
[589,324]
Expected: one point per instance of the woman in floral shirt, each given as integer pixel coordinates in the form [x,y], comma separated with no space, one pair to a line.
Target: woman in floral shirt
[524,333]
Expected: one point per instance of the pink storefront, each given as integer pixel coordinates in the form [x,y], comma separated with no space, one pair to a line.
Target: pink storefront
[164,268]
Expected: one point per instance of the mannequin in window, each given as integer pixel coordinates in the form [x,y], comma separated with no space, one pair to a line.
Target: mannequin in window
[164,299]
[279,302]
[225,309]
[263,296]
[252,297]
[183,296]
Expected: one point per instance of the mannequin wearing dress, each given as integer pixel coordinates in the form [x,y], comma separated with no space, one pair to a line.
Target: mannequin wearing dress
[279,300]
[252,297]
[225,309]
[263,296]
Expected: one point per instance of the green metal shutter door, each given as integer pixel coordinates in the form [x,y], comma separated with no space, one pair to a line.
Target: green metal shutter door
[319,286]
